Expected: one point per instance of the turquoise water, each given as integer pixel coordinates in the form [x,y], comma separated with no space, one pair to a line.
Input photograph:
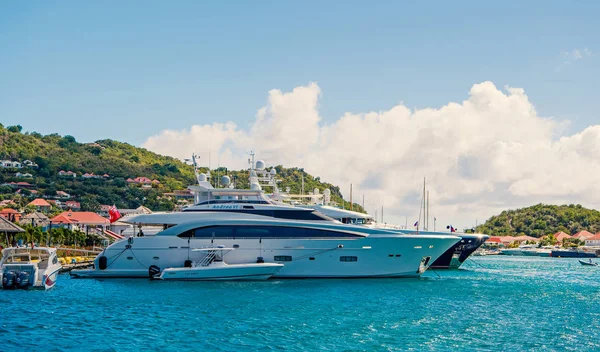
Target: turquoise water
[493,303]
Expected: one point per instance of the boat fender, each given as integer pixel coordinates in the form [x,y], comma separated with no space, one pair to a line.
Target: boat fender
[153,271]
[8,279]
[260,260]
[22,279]
[102,263]
[187,263]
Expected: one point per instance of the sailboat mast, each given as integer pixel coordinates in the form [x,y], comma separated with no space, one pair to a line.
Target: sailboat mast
[427,222]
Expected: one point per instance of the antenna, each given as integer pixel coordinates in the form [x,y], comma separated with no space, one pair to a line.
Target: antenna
[351,197]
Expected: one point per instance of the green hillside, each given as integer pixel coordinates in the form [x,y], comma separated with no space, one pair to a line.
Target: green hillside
[541,219]
[120,161]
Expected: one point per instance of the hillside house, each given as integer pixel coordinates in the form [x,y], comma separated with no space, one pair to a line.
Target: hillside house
[90,175]
[23,175]
[560,236]
[10,164]
[41,205]
[29,163]
[11,214]
[63,173]
[73,205]
[82,220]
[583,235]
[62,195]
[593,241]
[6,203]
[104,208]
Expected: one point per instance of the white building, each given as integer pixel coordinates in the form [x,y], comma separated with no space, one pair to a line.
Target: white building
[593,241]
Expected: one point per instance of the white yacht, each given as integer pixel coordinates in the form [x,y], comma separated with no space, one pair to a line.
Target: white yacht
[523,250]
[25,268]
[317,249]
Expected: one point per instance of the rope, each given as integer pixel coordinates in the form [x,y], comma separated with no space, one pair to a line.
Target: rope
[435,272]
[137,259]
[117,257]
[474,262]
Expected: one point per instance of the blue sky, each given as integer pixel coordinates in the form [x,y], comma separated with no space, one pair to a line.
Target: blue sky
[128,70]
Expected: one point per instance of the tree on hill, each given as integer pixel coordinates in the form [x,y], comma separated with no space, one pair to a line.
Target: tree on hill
[542,219]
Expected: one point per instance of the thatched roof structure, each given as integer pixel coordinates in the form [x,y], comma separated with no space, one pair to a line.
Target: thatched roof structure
[35,219]
[8,227]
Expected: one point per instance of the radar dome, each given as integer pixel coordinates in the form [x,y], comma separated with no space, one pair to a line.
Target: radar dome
[225,180]
[255,187]
[201,177]
[260,165]
[315,191]
[327,192]
[273,171]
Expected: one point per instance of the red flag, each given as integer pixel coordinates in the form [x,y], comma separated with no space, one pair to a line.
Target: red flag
[114,214]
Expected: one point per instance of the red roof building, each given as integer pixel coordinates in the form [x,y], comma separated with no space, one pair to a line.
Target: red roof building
[582,235]
[73,205]
[142,180]
[560,236]
[10,214]
[80,218]
[41,205]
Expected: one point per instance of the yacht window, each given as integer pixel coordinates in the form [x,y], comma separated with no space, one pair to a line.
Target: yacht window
[215,231]
[251,231]
[282,258]
[346,258]
[254,231]
[54,260]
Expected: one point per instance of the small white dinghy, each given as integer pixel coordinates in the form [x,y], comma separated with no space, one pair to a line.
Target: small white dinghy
[212,267]
[29,268]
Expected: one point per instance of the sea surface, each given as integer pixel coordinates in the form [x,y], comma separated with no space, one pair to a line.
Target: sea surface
[491,303]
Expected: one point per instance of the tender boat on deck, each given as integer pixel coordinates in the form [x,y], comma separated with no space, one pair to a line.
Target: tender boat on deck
[212,267]
[29,268]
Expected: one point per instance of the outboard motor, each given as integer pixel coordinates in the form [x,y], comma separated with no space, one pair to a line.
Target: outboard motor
[153,271]
[22,280]
[8,279]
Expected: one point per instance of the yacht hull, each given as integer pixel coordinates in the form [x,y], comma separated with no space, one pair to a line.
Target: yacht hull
[458,253]
[373,256]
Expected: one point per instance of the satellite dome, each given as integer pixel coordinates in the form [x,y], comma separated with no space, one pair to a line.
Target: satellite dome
[273,172]
[327,192]
[255,187]
[201,177]
[260,165]
[315,191]
[225,180]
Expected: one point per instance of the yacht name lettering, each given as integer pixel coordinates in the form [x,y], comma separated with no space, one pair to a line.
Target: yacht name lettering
[222,206]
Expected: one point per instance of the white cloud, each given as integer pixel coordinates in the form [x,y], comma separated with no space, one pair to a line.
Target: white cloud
[481,156]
